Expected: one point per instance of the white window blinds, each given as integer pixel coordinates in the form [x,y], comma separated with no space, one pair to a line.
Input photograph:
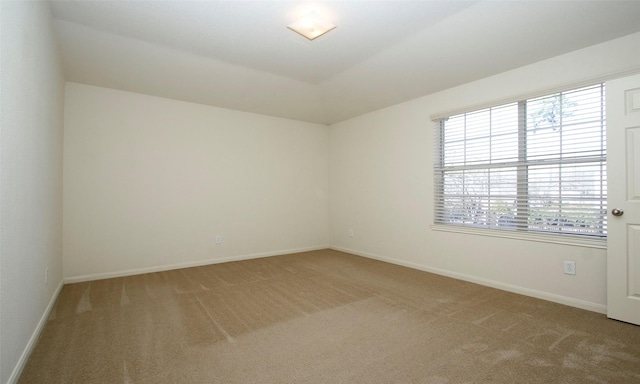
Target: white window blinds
[535,165]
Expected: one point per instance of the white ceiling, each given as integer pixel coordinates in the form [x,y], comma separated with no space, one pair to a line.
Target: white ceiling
[240,55]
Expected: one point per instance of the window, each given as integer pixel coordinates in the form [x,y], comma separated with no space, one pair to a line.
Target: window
[537,165]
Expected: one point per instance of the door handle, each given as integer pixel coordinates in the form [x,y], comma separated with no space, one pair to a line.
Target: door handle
[617,212]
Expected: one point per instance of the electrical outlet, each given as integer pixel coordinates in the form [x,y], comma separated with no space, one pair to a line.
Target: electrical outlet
[351,233]
[218,239]
[46,275]
[569,267]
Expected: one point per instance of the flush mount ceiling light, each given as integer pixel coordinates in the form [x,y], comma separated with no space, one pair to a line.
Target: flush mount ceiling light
[311,26]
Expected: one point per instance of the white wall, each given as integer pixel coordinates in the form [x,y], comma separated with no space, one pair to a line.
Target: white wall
[149,182]
[31,178]
[382,188]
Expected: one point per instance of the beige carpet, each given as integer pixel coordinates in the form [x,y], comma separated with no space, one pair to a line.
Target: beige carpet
[322,317]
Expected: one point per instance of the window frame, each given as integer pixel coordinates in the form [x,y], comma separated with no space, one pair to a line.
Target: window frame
[520,233]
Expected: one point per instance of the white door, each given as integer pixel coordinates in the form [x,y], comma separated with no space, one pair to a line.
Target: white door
[623,174]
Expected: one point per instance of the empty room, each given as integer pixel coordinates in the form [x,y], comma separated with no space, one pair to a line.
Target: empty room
[319,191]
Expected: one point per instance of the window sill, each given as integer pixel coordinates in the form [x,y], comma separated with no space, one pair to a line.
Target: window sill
[528,236]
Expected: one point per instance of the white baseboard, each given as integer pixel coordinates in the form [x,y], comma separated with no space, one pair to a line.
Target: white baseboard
[160,268]
[17,370]
[572,302]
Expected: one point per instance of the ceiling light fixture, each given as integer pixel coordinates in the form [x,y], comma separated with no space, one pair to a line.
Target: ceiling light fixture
[311,26]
